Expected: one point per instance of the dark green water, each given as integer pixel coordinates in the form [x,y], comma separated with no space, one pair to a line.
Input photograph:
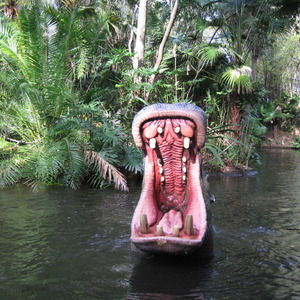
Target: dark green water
[63,244]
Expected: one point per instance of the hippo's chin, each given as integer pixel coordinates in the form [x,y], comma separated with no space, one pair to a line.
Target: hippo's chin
[171,216]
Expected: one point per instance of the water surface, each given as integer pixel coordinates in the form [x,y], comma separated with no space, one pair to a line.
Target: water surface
[64,244]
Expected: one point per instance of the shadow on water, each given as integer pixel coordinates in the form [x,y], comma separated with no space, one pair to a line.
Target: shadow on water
[62,244]
[163,277]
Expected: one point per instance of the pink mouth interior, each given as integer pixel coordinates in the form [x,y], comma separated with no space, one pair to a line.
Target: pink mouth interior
[172,188]
[170,169]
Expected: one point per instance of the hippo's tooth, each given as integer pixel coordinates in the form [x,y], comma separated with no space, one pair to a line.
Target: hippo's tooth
[186,142]
[159,230]
[144,226]
[159,162]
[184,169]
[188,225]
[160,129]
[183,158]
[152,143]
[162,178]
[183,177]
[175,230]
[177,129]
[161,170]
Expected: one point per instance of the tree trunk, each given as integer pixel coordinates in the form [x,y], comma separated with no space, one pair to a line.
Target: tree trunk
[139,48]
[140,35]
[254,66]
[163,44]
[235,115]
[132,26]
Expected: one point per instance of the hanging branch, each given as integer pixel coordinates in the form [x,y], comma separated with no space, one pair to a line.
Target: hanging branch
[162,45]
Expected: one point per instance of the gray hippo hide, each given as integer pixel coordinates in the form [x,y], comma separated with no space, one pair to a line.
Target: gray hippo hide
[173,212]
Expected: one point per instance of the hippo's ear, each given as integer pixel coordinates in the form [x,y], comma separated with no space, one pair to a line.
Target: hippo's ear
[165,110]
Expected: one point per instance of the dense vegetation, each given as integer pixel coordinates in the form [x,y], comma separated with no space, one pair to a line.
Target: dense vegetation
[74,73]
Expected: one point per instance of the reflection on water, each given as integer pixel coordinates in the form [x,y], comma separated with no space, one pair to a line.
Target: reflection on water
[62,244]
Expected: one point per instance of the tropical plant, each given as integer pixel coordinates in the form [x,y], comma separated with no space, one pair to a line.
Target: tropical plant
[48,135]
[296,144]
[270,113]
[232,46]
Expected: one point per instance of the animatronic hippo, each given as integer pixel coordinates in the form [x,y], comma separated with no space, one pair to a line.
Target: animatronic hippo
[172,215]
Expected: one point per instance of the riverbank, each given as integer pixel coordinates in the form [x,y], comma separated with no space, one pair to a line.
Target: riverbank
[280,139]
[273,139]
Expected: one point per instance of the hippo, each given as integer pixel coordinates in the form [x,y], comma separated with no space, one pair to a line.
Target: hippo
[173,213]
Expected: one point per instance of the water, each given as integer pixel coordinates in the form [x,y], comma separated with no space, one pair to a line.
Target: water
[62,244]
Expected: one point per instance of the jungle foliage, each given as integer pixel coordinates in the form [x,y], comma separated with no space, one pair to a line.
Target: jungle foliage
[69,91]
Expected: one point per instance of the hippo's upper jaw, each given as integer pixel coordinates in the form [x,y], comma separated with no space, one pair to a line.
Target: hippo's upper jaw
[171,216]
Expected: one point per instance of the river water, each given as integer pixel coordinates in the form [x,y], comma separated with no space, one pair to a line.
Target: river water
[64,244]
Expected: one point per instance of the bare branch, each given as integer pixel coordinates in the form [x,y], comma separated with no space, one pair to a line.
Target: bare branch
[163,44]
[21,142]
[165,38]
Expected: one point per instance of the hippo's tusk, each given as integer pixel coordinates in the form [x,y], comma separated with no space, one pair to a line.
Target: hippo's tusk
[188,225]
[144,224]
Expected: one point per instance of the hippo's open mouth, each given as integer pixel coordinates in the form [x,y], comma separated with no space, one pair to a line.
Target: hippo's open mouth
[171,215]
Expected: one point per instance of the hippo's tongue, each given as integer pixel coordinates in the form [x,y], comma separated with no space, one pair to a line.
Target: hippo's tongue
[171,219]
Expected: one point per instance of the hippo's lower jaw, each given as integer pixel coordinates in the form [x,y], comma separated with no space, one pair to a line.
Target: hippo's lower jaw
[171,216]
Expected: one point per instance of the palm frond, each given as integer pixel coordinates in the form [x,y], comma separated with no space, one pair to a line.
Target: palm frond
[106,170]
[42,165]
[133,160]
[75,165]
[10,172]
[210,53]
[238,78]
[83,62]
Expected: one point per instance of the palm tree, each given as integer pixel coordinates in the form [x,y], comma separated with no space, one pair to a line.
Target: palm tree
[240,29]
[10,8]
[48,136]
